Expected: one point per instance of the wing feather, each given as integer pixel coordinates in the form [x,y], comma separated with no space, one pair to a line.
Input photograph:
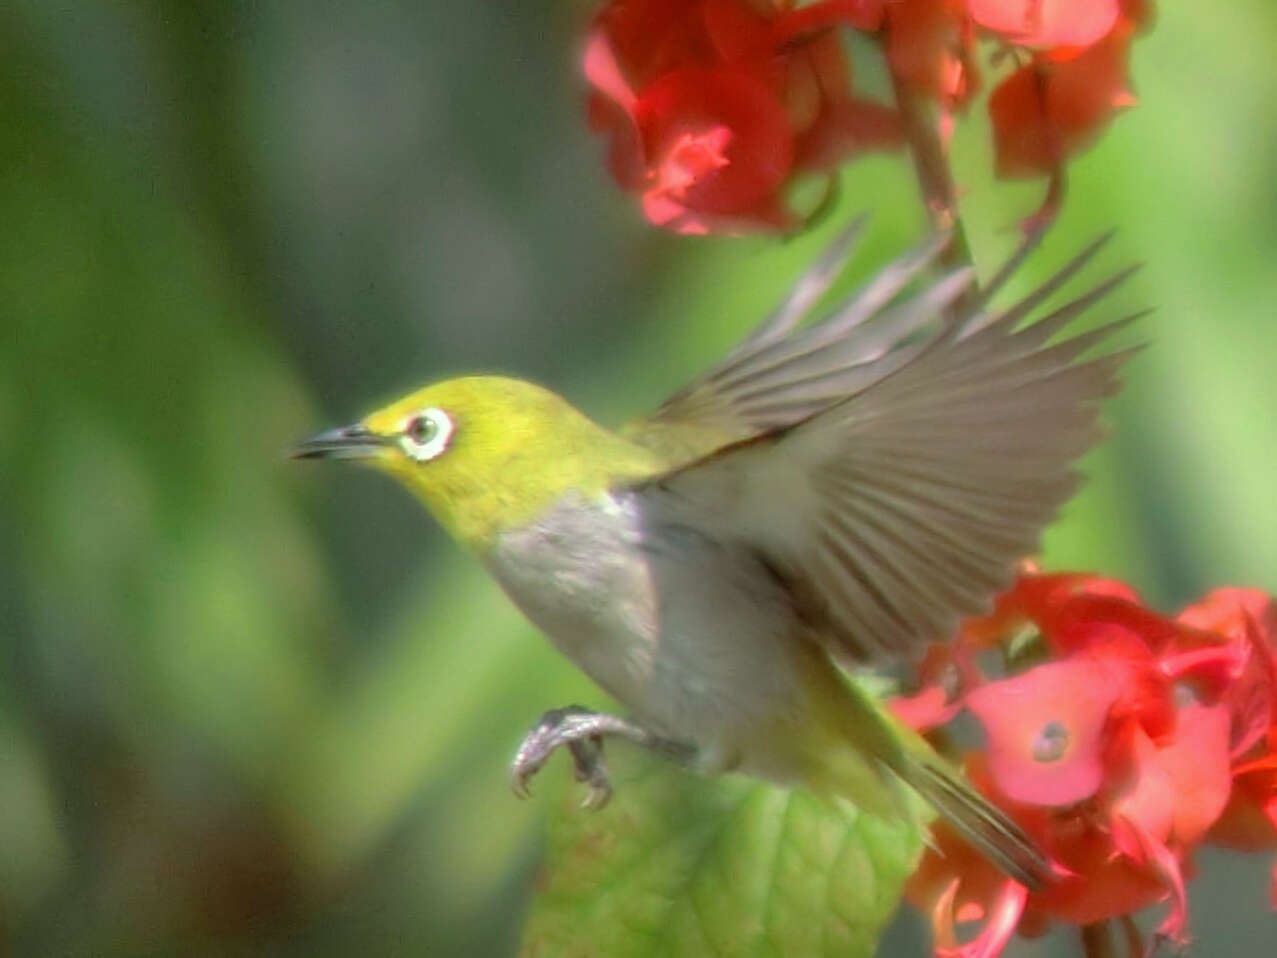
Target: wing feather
[783,373]
[895,462]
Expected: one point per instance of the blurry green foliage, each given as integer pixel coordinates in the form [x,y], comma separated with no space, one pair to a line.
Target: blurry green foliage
[248,706]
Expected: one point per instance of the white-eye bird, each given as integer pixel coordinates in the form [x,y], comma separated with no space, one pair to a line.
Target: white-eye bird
[836,493]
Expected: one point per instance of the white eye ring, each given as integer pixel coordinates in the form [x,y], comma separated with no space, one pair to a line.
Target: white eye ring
[425,435]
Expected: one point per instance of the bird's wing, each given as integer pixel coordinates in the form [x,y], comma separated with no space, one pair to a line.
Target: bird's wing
[905,505]
[783,372]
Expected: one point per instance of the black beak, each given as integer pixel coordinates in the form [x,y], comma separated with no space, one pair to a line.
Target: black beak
[346,442]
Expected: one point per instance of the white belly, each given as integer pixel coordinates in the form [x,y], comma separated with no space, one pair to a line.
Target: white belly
[696,638]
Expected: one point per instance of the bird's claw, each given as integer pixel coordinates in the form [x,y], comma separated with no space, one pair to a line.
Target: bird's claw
[587,767]
[571,726]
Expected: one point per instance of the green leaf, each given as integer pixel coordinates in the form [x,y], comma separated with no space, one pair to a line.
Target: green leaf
[680,865]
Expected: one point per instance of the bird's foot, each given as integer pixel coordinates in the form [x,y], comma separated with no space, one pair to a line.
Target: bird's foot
[582,731]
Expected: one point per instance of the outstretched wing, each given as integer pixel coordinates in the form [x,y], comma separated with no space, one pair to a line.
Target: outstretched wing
[781,374]
[895,490]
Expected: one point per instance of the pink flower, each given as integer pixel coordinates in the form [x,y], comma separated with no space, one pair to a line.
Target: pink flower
[1046,730]
[1140,737]
[1047,23]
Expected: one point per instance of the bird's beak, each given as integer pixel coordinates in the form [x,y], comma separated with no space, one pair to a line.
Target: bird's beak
[345,442]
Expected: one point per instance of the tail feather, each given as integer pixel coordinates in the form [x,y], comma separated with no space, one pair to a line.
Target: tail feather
[861,750]
[977,820]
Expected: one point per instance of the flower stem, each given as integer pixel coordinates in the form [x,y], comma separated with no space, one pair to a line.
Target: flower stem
[1096,941]
[935,179]
[929,161]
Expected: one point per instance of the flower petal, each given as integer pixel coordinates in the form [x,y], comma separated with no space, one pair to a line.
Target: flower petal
[1145,799]
[1045,730]
[1047,23]
[926,709]
[1002,915]
[717,141]
[1196,765]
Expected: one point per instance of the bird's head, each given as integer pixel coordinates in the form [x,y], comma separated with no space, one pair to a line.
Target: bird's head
[484,453]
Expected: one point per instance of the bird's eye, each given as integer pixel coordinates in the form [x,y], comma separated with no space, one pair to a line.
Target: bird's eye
[421,429]
[425,435]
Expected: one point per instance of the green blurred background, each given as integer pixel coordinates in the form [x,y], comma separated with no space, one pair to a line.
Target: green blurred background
[253,706]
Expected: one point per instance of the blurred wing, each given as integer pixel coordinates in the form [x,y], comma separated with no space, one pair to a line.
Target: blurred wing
[781,375]
[905,507]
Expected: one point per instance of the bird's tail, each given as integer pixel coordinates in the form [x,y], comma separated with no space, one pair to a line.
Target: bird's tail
[883,748]
[976,819]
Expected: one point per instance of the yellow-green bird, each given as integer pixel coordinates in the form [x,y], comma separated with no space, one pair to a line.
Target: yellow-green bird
[834,493]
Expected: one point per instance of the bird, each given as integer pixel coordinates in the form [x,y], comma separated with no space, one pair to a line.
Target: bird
[836,494]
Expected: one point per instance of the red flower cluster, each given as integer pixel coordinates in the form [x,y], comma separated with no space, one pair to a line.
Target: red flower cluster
[1133,739]
[1069,76]
[1073,80]
[713,106]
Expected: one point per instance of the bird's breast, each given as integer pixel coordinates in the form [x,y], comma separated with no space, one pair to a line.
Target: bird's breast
[693,635]
[578,573]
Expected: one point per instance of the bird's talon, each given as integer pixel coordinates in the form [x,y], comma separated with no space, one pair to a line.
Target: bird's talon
[582,731]
[597,797]
[527,762]
[587,767]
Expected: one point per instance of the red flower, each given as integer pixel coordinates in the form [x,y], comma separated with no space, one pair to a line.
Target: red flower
[713,106]
[1069,76]
[1051,109]
[717,143]
[930,49]
[1072,81]
[1047,23]
[1249,822]
[1139,738]
[1247,618]
[1236,628]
